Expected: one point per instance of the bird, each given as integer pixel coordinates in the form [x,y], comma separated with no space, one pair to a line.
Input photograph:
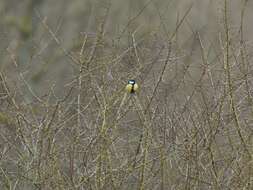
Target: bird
[131,86]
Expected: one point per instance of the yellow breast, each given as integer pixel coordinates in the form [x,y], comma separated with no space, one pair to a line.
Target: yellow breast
[131,88]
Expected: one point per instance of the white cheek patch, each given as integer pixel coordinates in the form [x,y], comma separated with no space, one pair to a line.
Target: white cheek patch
[131,82]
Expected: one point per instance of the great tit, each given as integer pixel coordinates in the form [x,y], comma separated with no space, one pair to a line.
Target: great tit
[131,86]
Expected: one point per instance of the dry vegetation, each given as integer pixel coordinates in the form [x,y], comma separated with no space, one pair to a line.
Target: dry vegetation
[66,122]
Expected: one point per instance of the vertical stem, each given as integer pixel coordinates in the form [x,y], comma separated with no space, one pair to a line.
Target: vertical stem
[143,167]
[229,80]
[162,167]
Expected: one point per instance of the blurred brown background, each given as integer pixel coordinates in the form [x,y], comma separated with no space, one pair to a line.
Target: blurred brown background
[67,123]
[23,33]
